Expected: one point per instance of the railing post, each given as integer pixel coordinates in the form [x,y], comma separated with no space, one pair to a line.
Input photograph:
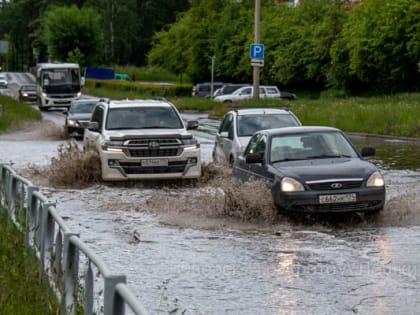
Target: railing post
[31,218]
[113,304]
[70,279]
[2,170]
[12,205]
[44,243]
[31,202]
[8,189]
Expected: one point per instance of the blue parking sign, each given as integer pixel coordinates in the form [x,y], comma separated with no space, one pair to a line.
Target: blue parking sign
[256,51]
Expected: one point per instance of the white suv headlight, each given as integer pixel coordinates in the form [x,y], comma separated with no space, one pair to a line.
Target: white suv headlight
[375,180]
[289,184]
[190,143]
[113,146]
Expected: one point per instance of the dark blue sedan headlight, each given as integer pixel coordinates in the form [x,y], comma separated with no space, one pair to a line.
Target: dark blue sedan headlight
[289,184]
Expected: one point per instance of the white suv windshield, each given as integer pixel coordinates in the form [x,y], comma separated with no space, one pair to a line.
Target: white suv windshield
[143,118]
[249,124]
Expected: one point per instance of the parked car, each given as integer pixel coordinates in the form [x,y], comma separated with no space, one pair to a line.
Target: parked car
[3,81]
[204,89]
[313,169]
[78,116]
[239,125]
[27,92]
[229,88]
[7,92]
[122,77]
[143,139]
[244,93]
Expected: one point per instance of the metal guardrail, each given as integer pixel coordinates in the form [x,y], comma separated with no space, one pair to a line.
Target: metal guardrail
[62,254]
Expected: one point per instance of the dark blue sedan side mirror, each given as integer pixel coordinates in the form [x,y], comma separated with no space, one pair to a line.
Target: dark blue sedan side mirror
[368,151]
[254,158]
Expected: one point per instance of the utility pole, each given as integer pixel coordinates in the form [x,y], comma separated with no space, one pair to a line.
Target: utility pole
[213,59]
[256,70]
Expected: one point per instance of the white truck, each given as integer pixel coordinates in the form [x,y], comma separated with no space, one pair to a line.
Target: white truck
[57,84]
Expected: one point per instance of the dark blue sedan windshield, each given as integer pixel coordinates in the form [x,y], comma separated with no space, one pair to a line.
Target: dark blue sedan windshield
[313,145]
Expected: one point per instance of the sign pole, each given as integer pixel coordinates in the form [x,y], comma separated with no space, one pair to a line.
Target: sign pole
[213,58]
[256,70]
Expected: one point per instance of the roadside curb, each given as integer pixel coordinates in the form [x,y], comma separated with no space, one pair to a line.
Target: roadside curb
[379,136]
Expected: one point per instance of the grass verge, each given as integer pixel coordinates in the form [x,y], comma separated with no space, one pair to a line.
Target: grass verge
[21,293]
[393,115]
[15,114]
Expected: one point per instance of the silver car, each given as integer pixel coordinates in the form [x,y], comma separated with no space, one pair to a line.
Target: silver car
[246,93]
[239,125]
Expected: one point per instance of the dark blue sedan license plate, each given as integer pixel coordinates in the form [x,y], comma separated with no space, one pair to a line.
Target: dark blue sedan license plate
[337,198]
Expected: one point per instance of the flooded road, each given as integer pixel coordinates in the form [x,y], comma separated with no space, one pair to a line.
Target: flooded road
[180,257]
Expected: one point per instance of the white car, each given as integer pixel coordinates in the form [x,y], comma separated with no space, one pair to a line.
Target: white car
[244,93]
[3,81]
[142,139]
[239,125]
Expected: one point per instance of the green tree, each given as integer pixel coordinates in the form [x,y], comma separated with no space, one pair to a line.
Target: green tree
[188,45]
[233,35]
[68,28]
[381,42]
[13,27]
[298,42]
[169,50]
[129,26]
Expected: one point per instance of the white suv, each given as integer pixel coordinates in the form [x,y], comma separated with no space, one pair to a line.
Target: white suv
[245,93]
[142,139]
[239,125]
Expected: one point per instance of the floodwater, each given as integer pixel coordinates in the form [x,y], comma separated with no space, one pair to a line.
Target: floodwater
[183,257]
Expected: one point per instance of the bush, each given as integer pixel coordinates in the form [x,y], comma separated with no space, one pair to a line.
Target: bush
[151,89]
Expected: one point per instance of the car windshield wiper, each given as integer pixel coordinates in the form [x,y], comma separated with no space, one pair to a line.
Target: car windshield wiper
[122,128]
[287,160]
[157,127]
[328,156]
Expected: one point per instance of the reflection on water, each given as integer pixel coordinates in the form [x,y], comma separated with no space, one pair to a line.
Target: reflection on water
[391,154]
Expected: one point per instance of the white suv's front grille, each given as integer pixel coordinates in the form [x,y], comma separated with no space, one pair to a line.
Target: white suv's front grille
[159,147]
[146,142]
[145,152]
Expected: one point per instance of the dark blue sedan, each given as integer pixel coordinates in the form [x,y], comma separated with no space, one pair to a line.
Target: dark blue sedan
[313,169]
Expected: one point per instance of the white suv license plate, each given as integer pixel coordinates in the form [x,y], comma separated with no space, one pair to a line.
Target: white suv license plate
[337,198]
[154,162]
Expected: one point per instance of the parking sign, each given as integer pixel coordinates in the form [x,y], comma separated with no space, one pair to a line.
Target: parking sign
[256,51]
